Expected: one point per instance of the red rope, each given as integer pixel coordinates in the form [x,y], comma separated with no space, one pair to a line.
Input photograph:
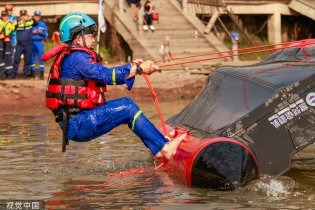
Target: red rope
[229,51]
[157,105]
[245,96]
[224,56]
[127,173]
[301,43]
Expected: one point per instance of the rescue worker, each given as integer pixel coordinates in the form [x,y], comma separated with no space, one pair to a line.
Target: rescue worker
[24,43]
[2,71]
[6,28]
[76,85]
[39,34]
[13,20]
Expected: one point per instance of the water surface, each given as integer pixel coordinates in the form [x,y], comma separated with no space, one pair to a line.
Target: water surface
[97,174]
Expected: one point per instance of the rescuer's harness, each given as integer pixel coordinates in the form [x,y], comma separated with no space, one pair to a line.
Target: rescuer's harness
[67,97]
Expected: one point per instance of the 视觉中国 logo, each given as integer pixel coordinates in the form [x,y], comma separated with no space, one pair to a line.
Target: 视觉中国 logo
[310,99]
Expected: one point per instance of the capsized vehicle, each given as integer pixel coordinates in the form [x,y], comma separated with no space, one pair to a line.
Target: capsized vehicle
[248,121]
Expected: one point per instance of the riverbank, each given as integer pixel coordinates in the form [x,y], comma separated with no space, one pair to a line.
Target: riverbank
[23,95]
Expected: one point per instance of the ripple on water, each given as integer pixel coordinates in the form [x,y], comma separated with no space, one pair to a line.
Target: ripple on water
[89,175]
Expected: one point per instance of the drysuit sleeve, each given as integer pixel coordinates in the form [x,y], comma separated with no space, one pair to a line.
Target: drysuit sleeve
[100,73]
[45,31]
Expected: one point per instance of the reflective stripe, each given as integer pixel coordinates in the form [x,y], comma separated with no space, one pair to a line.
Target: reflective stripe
[1,64]
[9,67]
[134,119]
[41,65]
[114,77]
[22,28]
[72,16]
[33,65]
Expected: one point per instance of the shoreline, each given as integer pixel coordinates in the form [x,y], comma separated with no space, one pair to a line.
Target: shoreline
[20,96]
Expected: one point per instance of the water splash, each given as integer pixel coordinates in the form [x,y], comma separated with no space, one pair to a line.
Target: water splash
[275,187]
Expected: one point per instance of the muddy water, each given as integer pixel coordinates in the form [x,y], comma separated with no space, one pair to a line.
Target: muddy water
[97,174]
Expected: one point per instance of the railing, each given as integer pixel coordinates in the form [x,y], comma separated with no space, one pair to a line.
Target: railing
[34,2]
[218,3]
[229,2]
[223,3]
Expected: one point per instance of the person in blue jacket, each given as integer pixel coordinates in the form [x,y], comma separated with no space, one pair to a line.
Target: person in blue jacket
[39,34]
[77,68]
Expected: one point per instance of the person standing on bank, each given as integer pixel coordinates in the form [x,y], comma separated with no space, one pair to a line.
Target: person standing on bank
[2,71]
[13,20]
[6,28]
[39,34]
[76,86]
[24,43]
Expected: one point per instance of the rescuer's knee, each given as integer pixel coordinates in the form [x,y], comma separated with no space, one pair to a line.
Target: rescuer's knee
[131,106]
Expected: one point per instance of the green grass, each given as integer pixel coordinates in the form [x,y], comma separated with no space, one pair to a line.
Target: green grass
[251,56]
[48,45]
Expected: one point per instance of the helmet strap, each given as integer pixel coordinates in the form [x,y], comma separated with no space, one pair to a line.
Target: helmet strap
[83,39]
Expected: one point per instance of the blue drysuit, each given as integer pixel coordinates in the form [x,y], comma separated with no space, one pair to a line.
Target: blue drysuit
[38,45]
[90,124]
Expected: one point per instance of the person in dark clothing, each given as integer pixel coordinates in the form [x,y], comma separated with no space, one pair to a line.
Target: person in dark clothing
[136,2]
[24,43]
[148,18]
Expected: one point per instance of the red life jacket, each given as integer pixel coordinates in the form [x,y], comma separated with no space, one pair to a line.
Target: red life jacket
[79,94]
